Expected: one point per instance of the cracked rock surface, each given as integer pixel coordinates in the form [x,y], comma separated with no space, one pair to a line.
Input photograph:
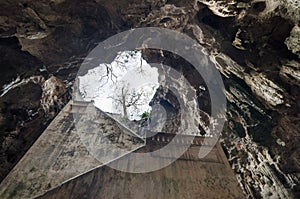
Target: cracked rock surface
[254,44]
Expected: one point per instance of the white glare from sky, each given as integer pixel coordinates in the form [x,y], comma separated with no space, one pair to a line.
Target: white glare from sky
[125,87]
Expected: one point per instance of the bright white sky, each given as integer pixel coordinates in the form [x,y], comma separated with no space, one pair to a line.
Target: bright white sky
[131,72]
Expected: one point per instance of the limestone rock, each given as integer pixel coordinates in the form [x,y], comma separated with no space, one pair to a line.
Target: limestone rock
[227,66]
[293,41]
[53,89]
[291,72]
[222,8]
[265,89]
[53,31]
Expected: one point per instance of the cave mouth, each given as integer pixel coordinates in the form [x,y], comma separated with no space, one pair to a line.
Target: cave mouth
[145,98]
[124,87]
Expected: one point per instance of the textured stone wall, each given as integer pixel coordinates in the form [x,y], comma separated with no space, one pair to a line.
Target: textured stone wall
[254,44]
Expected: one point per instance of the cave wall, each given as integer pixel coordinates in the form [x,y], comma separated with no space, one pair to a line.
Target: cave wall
[255,45]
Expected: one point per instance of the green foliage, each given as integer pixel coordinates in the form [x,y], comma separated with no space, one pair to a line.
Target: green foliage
[146,114]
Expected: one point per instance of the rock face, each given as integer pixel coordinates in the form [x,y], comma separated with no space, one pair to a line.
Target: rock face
[291,72]
[53,31]
[293,41]
[254,44]
[265,89]
[41,43]
[52,97]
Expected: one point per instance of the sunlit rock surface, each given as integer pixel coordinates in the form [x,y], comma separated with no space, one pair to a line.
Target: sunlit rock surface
[222,8]
[293,41]
[265,89]
[53,91]
[291,72]
[227,66]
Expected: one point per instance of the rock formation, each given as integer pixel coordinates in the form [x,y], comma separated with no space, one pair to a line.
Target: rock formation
[254,44]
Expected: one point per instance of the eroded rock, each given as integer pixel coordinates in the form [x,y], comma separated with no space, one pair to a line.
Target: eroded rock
[291,72]
[293,41]
[59,29]
[222,8]
[53,91]
[227,66]
[264,88]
